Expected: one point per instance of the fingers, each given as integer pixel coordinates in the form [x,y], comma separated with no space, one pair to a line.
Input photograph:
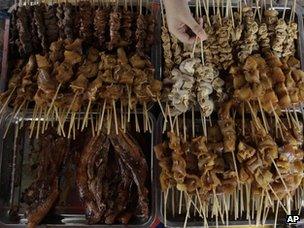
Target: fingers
[183,37]
[195,27]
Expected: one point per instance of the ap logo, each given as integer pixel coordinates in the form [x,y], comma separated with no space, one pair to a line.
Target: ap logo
[291,219]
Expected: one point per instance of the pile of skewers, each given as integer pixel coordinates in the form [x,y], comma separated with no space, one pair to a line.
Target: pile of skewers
[78,67]
[233,37]
[232,173]
[67,81]
[34,27]
[189,81]
[111,173]
[249,159]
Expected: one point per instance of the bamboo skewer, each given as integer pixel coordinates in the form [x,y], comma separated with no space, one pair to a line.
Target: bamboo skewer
[85,119]
[53,99]
[6,102]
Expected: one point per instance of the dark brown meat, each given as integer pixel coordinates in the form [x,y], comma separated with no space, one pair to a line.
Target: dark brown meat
[93,214]
[86,21]
[150,39]
[114,30]
[68,21]
[34,31]
[50,22]
[60,19]
[44,191]
[141,32]
[133,159]
[13,36]
[39,21]
[23,25]
[100,24]
[35,217]
[127,26]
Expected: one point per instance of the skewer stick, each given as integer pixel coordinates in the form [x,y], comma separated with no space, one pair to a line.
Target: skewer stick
[194,203]
[275,194]
[232,17]
[170,119]
[258,219]
[24,115]
[38,124]
[85,119]
[253,115]
[129,103]
[194,47]
[243,119]
[296,116]
[277,121]
[59,121]
[92,125]
[165,206]
[8,127]
[263,115]
[184,127]
[162,12]
[162,110]
[213,4]
[276,215]
[203,120]
[136,121]
[187,214]
[7,101]
[207,11]
[71,124]
[285,6]
[201,207]
[121,116]
[173,201]
[115,117]
[70,107]
[180,202]
[53,99]
[78,121]
[293,11]
[280,175]
[32,125]
[102,116]
[193,121]
[109,121]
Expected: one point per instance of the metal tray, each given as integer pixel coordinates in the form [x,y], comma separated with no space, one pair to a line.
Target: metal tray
[155,49]
[15,176]
[195,220]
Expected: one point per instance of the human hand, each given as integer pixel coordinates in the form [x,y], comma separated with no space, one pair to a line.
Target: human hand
[179,18]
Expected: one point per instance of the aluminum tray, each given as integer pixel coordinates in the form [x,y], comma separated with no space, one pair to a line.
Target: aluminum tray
[196,221]
[155,50]
[15,176]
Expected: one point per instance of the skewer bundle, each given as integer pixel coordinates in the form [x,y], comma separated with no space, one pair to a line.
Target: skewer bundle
[65,79]
[69,76]
[109,26]
[269,171]
[256,85]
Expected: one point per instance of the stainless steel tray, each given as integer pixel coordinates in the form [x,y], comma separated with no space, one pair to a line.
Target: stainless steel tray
[15,175]
[195,220]
[155,50]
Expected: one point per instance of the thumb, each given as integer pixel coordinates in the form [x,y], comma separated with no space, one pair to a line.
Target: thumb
[195,27]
